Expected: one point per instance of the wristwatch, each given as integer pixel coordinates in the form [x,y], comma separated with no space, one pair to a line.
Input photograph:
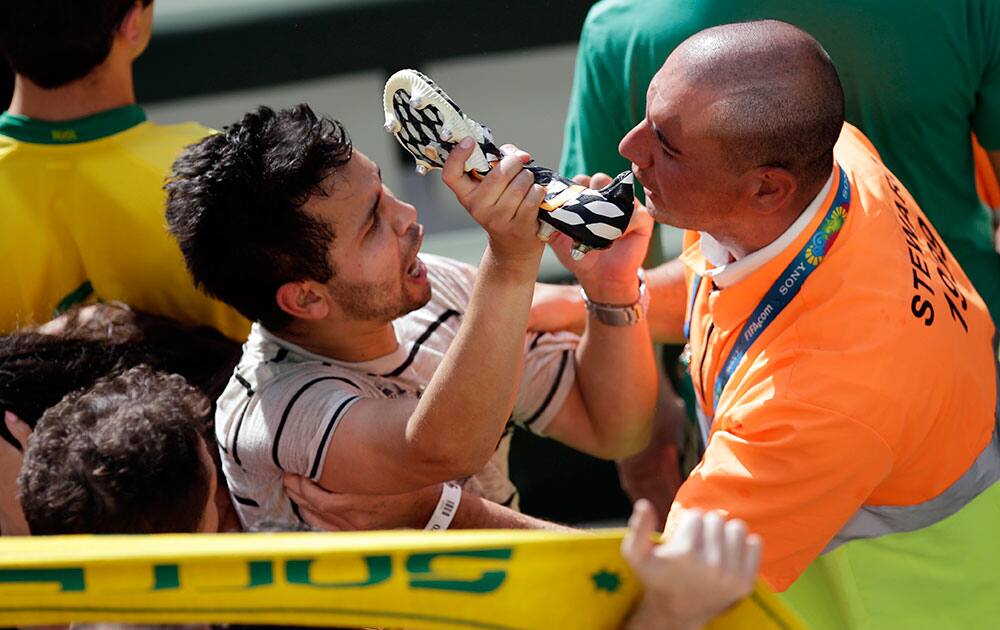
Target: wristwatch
[618,314]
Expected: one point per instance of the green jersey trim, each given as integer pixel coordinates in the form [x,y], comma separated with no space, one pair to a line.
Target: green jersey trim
[78,296]
[85,129]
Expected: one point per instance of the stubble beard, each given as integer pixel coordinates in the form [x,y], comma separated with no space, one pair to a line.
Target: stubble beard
[378,302]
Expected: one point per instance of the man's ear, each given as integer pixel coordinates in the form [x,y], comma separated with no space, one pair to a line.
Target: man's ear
[134,27]
[771,189]
[304,299]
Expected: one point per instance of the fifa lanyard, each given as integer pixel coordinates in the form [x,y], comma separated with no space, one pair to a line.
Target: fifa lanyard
[784,289]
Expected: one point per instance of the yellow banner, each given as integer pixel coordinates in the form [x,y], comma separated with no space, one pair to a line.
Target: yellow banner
[420,580]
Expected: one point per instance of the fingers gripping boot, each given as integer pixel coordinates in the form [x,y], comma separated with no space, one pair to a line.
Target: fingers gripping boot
[429,125]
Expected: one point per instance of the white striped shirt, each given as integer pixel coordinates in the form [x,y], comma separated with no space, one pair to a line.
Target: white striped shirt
[283,404]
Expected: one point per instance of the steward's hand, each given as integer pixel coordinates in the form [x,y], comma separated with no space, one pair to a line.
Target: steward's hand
[609,275]
[505,203]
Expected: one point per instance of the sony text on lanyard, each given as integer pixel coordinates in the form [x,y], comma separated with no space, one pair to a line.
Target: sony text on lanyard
[788,284]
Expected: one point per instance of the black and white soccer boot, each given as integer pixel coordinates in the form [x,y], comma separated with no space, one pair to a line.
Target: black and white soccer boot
[429,125]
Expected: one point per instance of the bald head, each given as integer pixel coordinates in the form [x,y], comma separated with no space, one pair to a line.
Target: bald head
[775,97]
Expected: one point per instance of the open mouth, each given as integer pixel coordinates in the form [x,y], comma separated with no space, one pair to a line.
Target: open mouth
[416,269]
[651,198]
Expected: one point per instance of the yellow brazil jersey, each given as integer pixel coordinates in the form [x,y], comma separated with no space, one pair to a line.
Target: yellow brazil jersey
[82,215]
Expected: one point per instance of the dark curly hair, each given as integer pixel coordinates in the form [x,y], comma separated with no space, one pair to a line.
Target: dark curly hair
[38,370]
[123,457]
[55,42]
[234,204]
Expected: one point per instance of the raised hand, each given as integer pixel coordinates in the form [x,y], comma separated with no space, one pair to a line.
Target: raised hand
[707,566]
[609,275]
[505,202]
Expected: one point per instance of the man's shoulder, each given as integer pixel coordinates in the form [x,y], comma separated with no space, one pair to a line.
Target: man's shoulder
[854,147]
[608,16]
[137,156]
[614,24]
[188,129]
[278,410]
[869,343]
[17,153]
[169,138]
[452,282]
[269,383]
[617,20]
[271,365]
[282,379]
[7,145]
[448,267]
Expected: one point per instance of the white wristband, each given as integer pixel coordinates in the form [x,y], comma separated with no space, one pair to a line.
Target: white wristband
[451,496]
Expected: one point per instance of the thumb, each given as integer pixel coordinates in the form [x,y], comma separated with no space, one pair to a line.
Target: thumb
[641,222]
[317,520]
[561,245]
[600,180]
[316,497]
[687,537]
[291,482]
[638,542]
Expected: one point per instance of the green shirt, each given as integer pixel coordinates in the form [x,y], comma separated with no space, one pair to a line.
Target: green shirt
[919,77]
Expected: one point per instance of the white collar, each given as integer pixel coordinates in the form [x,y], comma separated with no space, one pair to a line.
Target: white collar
[726,274]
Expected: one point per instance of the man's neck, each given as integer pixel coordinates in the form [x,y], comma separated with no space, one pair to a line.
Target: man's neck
[104,88]
[742,245]
[349,341]
[765,229]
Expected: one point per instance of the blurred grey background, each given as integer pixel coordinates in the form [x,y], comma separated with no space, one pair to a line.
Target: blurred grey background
[504,64]
[521,95]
